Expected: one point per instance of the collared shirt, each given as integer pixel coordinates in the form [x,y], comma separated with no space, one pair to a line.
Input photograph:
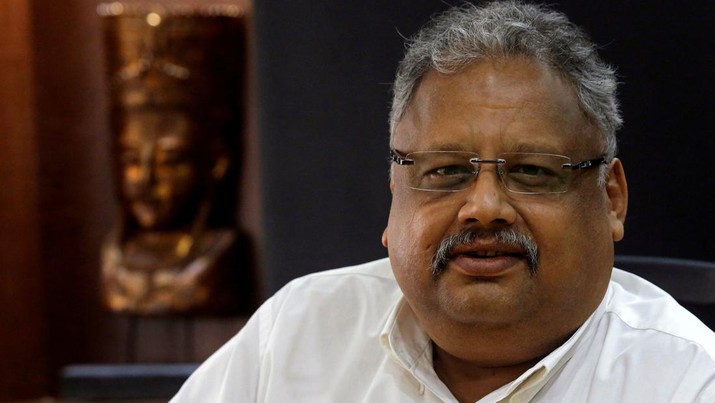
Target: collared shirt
[347,335]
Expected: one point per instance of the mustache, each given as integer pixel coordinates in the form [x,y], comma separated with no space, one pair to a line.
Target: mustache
[504,236]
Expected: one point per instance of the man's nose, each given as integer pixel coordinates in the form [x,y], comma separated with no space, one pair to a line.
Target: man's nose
[486,201]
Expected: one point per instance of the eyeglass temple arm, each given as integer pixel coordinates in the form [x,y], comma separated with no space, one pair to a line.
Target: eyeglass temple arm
[400,160]
[585,164]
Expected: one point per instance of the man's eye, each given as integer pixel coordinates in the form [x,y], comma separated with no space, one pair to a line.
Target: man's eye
[451,170]
[531,170]
[532,176]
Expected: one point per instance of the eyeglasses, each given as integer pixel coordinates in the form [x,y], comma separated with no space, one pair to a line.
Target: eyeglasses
[525,173]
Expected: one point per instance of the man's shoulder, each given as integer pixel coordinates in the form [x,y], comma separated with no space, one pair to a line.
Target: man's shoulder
[644,308]
[379,269]
[642,346]
[376,271]
[372,281]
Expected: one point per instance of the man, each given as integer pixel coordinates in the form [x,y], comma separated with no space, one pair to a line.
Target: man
[499,287]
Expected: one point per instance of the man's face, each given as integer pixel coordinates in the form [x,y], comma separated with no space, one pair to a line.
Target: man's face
[492,107]
[159,168]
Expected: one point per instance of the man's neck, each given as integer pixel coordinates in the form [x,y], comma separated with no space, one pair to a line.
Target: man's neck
[469,381]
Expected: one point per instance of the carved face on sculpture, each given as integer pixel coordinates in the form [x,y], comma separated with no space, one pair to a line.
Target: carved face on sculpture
[161,168]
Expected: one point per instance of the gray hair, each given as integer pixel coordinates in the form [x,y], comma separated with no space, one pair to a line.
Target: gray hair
[461,35]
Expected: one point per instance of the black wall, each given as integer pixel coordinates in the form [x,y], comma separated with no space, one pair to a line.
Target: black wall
[324,73]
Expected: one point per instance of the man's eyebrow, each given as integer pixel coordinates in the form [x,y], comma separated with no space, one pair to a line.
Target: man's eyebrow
[520,147]
[445,147]
[533,148]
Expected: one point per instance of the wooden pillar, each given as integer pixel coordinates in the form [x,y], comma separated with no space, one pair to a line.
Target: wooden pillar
[22,367]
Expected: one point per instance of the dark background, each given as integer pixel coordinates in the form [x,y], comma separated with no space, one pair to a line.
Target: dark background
[314,191]
[324,70]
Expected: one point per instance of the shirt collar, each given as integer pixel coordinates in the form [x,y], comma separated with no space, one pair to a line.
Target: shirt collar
[408,344]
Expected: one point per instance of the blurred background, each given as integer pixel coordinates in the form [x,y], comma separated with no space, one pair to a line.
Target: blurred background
[313,190]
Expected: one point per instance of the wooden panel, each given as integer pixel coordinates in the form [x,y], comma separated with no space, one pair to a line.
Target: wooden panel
[75,193]
[22,368]
[76,203]
[56,206]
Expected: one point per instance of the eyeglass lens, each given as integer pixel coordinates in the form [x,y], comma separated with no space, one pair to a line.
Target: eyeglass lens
[451,171]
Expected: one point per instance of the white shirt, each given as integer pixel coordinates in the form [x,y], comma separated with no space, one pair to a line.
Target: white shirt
[347,335]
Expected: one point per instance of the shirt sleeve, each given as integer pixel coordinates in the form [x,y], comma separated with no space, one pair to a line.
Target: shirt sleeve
[231,374]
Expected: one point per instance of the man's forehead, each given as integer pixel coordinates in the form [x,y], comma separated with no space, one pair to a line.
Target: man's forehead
[517,96]
[500,80]
[484,85]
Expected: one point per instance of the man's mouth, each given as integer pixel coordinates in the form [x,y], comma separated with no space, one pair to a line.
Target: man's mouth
[488,251]
[486,254]
[486,266]
[493,261]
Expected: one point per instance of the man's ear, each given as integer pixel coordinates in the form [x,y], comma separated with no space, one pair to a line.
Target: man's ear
[384,233]
[617,191]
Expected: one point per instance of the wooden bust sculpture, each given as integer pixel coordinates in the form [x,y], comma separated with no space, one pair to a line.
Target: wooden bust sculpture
[175,89]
